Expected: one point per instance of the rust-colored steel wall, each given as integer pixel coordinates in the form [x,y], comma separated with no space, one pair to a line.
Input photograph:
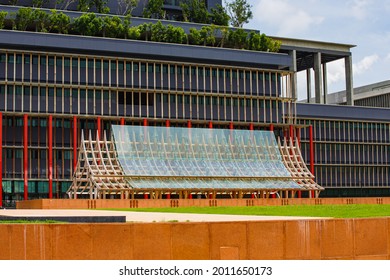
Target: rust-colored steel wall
[278,240]
[156,203]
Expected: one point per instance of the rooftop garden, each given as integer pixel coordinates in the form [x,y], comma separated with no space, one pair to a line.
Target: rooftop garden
[121,27]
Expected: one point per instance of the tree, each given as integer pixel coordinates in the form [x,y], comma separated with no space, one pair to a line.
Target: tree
[154,9]
[24,18]
[88,24]
[240,12]
[38,3]
[59,22]
[101,6]
[238,38]
[126,7]
[158,32]
[175,35]
[41,20]
[195,11]
[207,34]
[113,27]
[64,4]
[3,15]
[194,38]
[219,16]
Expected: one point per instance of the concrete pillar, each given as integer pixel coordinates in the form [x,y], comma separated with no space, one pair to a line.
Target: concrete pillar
[293,68]
[349,80]
[325,81]
[318,78]
[308,81]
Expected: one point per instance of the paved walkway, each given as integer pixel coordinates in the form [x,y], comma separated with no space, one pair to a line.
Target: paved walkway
[146,217]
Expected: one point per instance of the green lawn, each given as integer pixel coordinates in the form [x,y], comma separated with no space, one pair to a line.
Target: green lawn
[335,211]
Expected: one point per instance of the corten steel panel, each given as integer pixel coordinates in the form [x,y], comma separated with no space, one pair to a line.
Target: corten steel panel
[371,237]
[266,240]
[112,242]
[229,253]
[30,242]
[5,242]
[72,242]
[190,241]
[233,234]
[152,242]
[337,239]
[303,240]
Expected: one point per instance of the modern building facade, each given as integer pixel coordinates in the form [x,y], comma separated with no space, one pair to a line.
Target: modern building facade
[54,86]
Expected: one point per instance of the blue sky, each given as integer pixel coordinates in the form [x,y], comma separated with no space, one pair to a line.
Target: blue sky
[365,23]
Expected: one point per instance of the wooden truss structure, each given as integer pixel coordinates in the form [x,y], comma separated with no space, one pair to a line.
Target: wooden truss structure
[141,165]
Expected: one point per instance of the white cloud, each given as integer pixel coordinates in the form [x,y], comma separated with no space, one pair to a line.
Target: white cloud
[358,8]
[336,71]
[365,64]
[289,19]
[388,57]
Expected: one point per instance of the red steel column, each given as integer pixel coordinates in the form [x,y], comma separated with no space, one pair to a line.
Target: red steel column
[50,157]
[298,134]
[99,128]
[251,126]
[1,159]
[291,132]
[311,153]
[74,143]
[25,155]
[210,124]
[231,125]
[122,121]
[271,127]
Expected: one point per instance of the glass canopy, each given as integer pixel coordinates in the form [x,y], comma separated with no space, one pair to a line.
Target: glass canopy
[197,158]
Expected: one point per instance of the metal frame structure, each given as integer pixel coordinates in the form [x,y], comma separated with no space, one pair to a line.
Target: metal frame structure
[159,161]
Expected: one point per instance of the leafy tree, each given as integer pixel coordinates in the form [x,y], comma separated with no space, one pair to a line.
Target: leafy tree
[113,27]
[145,31]
[101,6]
[13,2]
[38,3]
[126,7]
[64,4]
[133,33]
[41,20]
[260,42]
[195,11]
[194,38]
[24,18]
[238,38]
[158,32]
[83,5]
[175,35]
[219,16]
[88,24]
[240,12]
[154,9]
[207,34]
[59,22]
[3,15]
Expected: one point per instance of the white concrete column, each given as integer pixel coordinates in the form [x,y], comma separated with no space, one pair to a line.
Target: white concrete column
[349,80]
[294,89]
[318,78]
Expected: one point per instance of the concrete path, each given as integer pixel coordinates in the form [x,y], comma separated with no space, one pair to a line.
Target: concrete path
[146,217]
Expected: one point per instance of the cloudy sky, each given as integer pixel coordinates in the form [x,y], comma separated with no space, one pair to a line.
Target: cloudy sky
[365,23]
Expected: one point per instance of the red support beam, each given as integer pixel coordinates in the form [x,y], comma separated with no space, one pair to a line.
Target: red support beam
[167,123]
[146,196]
[50,157]
[1,159]
[251,126]
[298,134]
[74,143]
[122,121]
[291,132]
[99,128]
[25,155]
[311,153]
[189,124]
[145,122]
[231,126]
[210,124]
[271,127]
